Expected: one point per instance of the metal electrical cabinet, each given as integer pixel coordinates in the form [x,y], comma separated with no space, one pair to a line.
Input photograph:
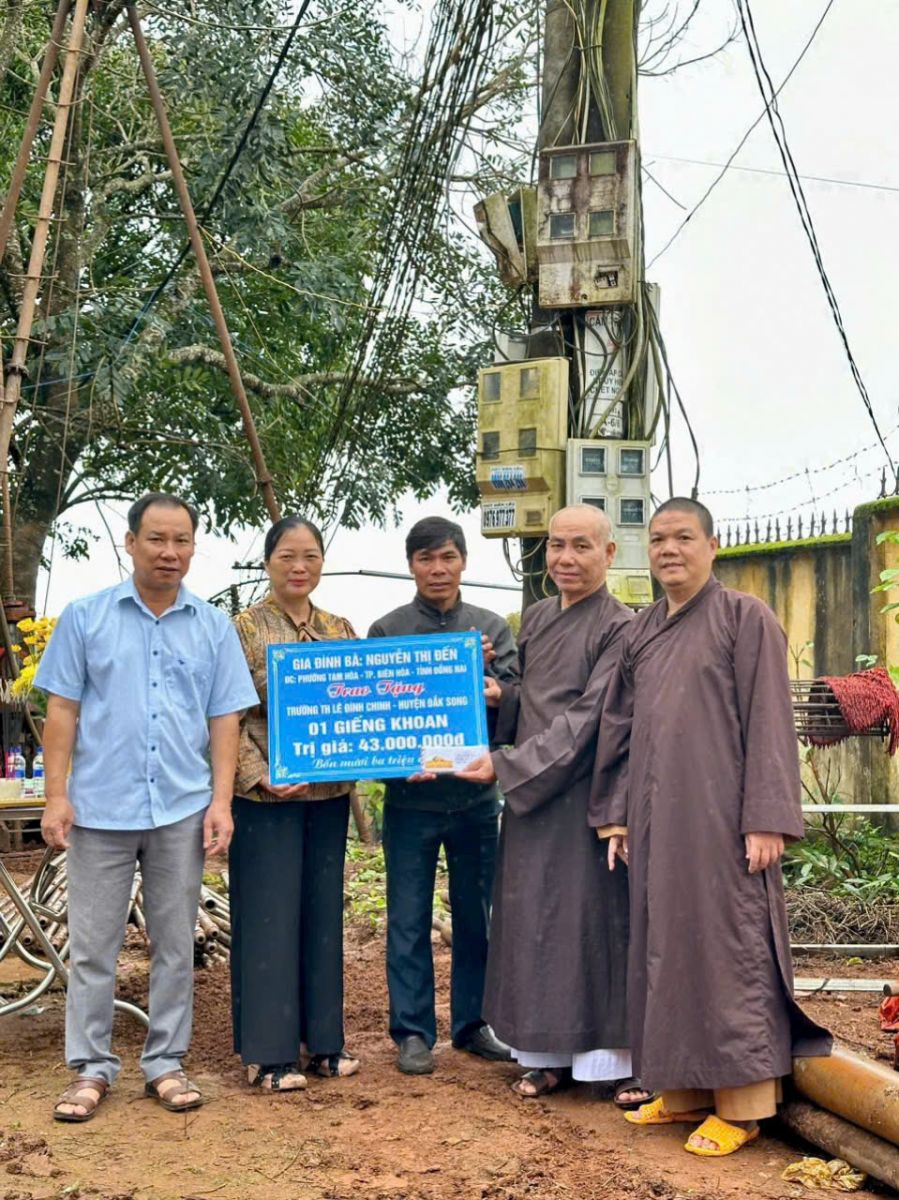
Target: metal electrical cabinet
[614,475]
[508,225]
[587,248]
[522,432]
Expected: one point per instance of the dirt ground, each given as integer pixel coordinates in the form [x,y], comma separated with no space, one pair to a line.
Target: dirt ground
[378,1136]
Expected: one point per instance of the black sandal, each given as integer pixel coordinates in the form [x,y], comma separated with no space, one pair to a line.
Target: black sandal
[278,1077]
[332,1066]
[631,1085]
[544,1081]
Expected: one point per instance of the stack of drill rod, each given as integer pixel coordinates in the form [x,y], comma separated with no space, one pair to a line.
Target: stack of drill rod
[47,895]
[212,937]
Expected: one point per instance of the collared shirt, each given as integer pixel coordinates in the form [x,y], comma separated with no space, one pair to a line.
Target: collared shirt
[147,687]
[267,624]
[446,793]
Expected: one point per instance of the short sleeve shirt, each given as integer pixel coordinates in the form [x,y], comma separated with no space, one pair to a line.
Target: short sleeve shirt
[147,687]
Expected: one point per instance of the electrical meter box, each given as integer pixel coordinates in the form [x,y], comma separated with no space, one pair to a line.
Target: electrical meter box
[508,225]
[587,247]
[614,475]
[522,431]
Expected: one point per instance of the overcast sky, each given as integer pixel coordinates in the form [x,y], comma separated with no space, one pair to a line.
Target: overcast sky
[750,338]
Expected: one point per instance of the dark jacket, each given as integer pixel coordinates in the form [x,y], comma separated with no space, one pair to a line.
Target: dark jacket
[446,793]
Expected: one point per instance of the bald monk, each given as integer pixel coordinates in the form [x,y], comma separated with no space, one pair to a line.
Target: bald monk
[555,987]
[697,788]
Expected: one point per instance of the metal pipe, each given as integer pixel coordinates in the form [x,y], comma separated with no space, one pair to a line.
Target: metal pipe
[208,926]
[809,984]
[841,1139]
[850,808]
[861,949]
[862,1091]
[263,479]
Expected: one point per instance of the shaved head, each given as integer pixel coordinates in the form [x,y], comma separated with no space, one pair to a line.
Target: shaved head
[596,518]
[579,551]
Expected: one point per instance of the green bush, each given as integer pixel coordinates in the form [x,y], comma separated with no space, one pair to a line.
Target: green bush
[846,856]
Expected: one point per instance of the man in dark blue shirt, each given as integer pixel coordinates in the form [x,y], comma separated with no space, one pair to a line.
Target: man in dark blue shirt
[422,815]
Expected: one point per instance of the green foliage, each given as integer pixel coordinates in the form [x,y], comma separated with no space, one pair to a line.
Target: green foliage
[844,854]
[889,578]
[847,856]
[125,389]
[371,793]
[366,889]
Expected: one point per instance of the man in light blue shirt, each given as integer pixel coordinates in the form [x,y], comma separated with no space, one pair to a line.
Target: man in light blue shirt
[146,684]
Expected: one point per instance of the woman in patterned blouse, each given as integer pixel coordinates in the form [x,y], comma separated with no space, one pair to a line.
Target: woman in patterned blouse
[287,855]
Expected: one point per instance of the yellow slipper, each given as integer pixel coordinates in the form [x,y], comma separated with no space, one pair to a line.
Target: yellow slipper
[655,1113]
[728,1138]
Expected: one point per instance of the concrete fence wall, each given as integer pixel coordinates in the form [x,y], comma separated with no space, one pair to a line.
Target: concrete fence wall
[820,589]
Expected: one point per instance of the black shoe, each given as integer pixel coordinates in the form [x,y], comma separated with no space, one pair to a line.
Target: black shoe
[485,1044]
[414,1057]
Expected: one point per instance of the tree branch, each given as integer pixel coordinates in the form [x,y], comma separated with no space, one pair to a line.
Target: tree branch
[299,388]
[10,36]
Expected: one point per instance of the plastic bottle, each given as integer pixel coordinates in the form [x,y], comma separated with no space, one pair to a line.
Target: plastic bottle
[18,763]
[37,774]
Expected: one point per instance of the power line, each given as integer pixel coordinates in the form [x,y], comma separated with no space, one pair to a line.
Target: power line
[742,142]
[778,129]
[203,215]
[702,162]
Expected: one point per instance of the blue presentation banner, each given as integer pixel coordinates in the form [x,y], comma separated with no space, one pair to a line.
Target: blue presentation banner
[376,708]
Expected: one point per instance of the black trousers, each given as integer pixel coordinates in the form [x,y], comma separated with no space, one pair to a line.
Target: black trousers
[286,883]
[412,840]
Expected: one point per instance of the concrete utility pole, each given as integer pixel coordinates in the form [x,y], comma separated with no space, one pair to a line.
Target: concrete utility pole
[568,410]
[563,67]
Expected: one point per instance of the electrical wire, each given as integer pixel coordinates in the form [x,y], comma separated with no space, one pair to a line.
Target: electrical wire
[841,487]
[743,140]
[702,162]
[654,323]
[778,129]
[207,209]
[763,487]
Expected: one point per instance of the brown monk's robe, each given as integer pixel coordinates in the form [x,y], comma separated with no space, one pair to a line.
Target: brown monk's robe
[698,749]
[558,935]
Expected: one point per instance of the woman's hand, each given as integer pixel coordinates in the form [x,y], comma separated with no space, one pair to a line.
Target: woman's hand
[284,791]
[493,692]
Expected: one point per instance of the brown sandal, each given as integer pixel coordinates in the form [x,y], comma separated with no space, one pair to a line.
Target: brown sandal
[88,1092]
[184,1086]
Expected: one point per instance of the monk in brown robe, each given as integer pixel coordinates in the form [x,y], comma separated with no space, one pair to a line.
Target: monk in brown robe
[556,966]
[697,787]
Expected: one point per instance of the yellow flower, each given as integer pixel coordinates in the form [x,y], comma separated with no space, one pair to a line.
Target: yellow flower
[23,685]
[26,625]
[17,649]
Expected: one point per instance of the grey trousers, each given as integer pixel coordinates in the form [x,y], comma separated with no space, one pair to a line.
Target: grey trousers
[101,866]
